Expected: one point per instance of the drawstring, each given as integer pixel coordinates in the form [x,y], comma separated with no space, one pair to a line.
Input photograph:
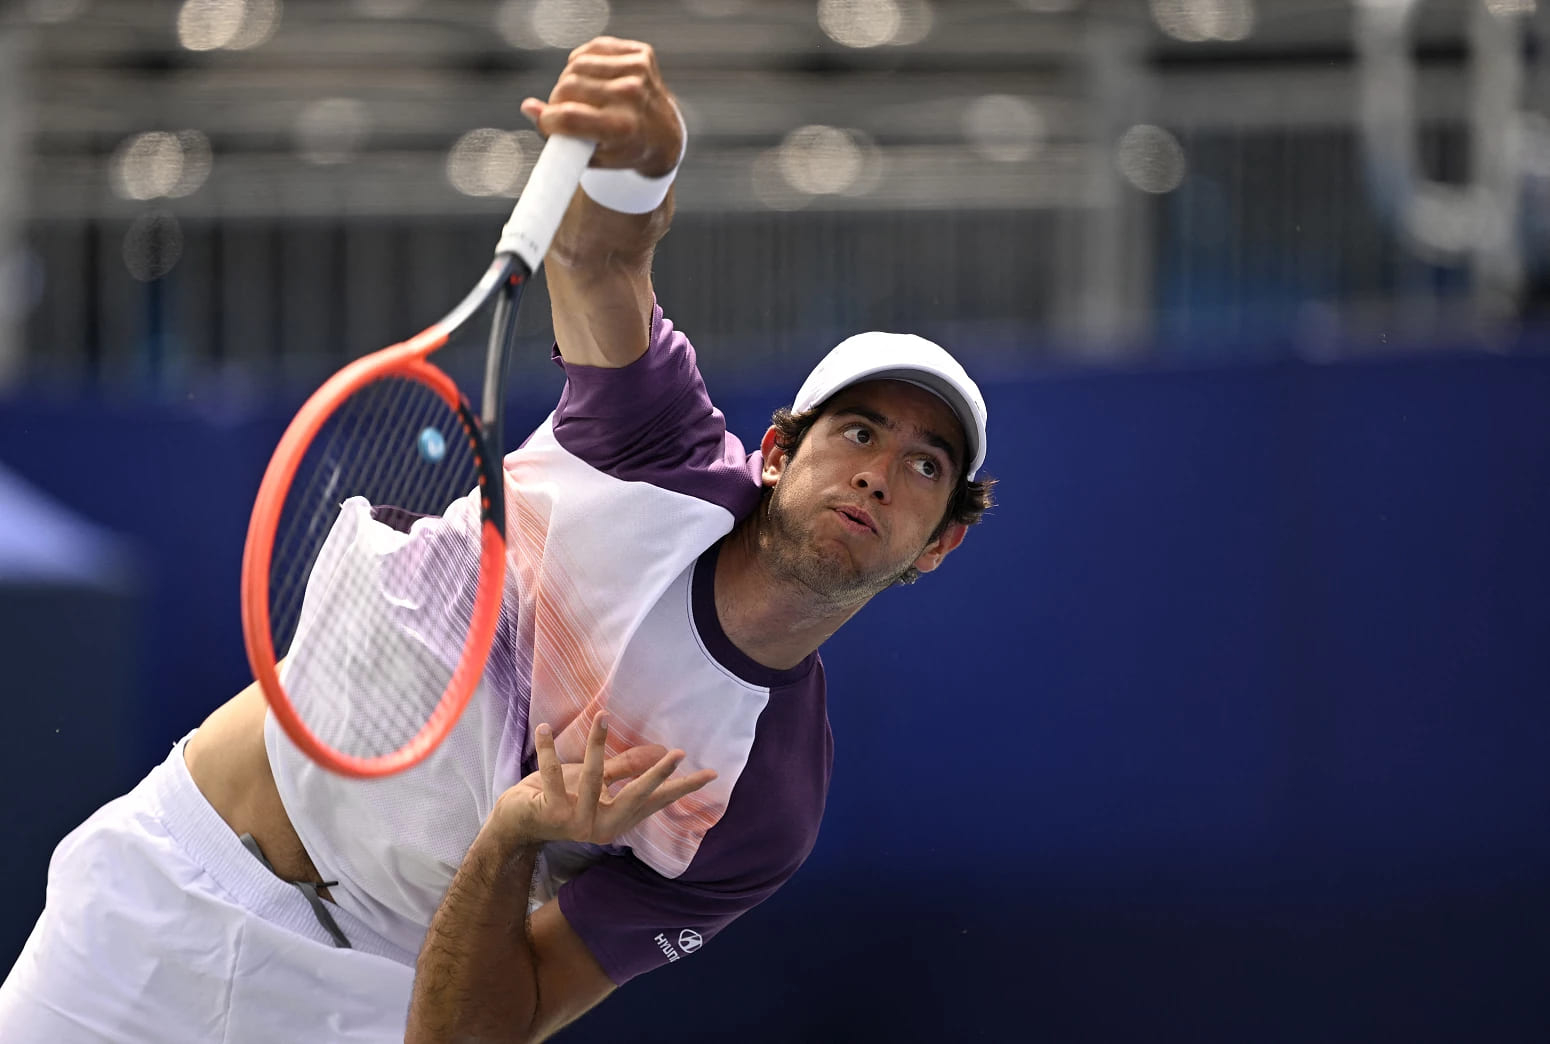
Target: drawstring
[308,889]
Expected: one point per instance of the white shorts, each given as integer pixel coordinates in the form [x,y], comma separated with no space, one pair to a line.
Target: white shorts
[160,926]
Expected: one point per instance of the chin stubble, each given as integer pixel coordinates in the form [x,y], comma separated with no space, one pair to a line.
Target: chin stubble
[788,551]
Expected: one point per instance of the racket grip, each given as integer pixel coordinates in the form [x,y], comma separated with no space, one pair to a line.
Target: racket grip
[541,207]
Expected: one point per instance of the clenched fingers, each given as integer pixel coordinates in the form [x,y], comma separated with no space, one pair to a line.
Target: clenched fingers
[579,120]
[613,66]
[597,91]
[610,45]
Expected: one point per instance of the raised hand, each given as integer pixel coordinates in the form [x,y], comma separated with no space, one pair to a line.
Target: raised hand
[611,92]
[573,802]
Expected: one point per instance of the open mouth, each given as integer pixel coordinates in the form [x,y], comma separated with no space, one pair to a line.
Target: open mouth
[857,519]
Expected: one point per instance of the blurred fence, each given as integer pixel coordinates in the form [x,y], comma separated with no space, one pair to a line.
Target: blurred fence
[1041,181]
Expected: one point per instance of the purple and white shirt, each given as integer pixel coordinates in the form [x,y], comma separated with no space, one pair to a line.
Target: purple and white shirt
[615,509]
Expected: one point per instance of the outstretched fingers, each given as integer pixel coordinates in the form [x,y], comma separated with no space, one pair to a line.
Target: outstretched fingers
[590,788]
[574,801]
[652,791]
[676,789]
[631,762]
[549,770]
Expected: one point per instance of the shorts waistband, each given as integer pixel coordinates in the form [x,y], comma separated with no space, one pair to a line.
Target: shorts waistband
[193,822]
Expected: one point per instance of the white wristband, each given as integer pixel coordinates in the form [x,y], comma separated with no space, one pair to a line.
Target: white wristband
[629,191]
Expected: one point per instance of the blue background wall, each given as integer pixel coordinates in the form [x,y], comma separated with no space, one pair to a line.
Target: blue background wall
[1230,723]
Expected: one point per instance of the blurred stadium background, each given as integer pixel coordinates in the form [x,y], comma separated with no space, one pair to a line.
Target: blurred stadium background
[1234,716]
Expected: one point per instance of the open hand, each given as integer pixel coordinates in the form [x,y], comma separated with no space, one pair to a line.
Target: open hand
[611,92]
[573,802]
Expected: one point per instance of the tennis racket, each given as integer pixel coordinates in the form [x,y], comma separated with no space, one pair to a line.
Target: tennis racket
[391,634]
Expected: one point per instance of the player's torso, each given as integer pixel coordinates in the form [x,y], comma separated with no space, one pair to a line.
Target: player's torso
[395,843]
[597,616]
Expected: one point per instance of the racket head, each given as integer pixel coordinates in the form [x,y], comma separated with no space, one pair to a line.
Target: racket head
[387,443]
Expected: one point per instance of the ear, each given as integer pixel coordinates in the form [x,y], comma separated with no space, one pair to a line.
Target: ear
[774,457]
[939,548]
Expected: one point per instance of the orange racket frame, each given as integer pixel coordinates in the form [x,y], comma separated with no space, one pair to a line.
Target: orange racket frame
[518,254]
[406,360]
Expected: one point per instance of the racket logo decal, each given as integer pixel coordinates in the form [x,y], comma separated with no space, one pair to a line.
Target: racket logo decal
[433,447]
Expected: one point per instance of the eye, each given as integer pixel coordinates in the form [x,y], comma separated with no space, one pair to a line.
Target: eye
[860,434]
[927,466]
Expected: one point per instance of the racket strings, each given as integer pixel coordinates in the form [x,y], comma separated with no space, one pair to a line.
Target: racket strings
[302,532]
[438,434]
[368,618]
[364,449]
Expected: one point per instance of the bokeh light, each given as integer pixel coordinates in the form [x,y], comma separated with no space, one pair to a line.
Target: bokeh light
[514,21]
[860,23]
[770,186]
[821,160]
[204,25]
[490,162]
[332,130]
[260,19]
[147,165]
[160,163]
[569,23]
[153,245]
[208,25]
[197,162]
[1151,159]
[1196,21]
[1451,219]
[1003,127]
[1510,8]
[916,19]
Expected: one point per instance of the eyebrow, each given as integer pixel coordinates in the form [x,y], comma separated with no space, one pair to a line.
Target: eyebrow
[932,438]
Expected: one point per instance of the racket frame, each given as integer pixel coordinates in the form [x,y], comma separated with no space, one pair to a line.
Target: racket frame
[520,251]
[407,360]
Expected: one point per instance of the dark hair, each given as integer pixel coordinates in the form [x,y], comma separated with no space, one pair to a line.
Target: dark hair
[967,505]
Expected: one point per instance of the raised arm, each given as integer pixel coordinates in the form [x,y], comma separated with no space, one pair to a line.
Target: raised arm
[599,265]
[487,972]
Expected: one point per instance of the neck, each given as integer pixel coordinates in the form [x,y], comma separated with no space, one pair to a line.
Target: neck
[773,619]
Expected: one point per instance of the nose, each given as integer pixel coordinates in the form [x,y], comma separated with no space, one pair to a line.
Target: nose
[871,483]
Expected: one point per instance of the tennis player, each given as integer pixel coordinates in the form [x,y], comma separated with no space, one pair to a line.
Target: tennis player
[648,754]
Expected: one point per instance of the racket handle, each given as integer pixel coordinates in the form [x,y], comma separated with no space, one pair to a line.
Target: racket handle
[539,211]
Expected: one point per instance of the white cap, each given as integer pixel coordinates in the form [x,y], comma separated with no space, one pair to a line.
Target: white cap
[875,356]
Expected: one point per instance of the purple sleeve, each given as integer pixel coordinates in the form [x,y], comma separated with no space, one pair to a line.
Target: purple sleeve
[652,421]
[634,919]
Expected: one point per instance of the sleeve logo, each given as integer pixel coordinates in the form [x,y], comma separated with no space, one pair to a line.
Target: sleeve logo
[689,940]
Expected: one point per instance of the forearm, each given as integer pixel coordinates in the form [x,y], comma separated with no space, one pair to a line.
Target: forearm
[599,275]
[477,978]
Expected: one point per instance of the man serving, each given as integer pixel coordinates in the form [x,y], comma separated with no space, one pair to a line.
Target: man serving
[648,754]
